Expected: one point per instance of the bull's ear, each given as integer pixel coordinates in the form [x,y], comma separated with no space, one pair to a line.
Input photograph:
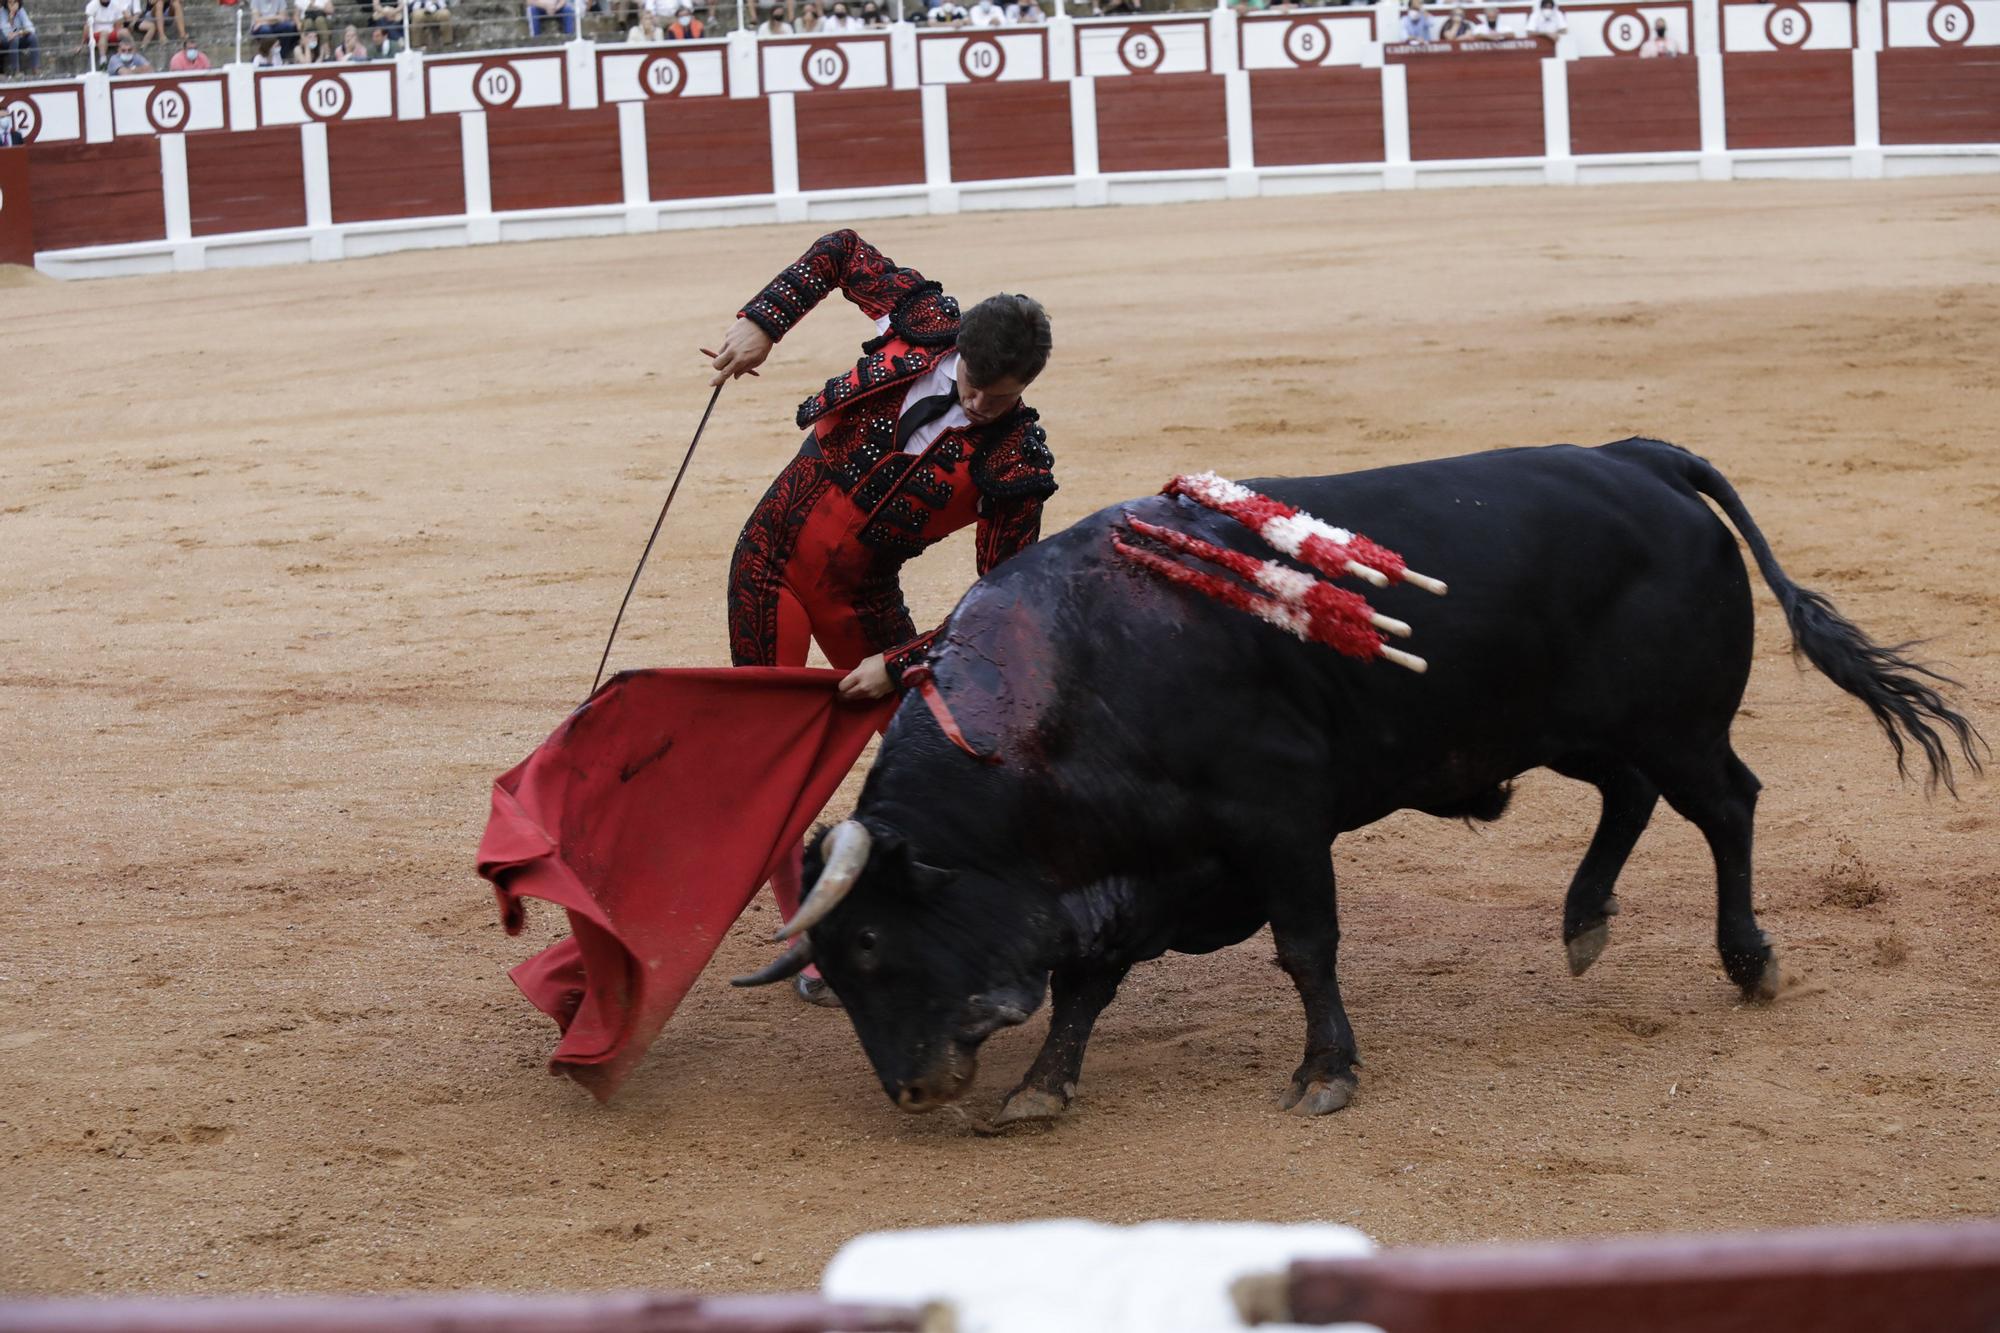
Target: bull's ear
[929,879]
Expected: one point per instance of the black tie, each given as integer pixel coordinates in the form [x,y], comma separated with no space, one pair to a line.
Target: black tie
[923,414]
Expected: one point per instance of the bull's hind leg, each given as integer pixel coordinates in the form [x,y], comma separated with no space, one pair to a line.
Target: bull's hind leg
[1715,792]
[1305,925]
[1077,996]
[1628,802]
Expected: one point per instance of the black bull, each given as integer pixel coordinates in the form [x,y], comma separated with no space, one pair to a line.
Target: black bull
[1170,773]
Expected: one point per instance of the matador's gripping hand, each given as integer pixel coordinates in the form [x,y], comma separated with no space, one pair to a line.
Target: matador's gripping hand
[743,349]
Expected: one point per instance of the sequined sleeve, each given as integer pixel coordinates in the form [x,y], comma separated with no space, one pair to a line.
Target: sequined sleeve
[839,259]
[906,655]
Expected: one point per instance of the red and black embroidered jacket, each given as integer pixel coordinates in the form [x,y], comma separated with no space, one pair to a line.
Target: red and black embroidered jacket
[907,497]
[853,419]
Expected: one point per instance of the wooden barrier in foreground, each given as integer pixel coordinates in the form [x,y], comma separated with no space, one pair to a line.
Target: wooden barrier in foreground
[489,1312]
[1933,1278]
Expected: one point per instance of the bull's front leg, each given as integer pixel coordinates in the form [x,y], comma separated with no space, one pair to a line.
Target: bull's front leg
[1078,995]
[1305,925]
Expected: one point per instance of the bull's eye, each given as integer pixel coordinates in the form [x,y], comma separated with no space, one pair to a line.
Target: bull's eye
[864,940]
[865,957]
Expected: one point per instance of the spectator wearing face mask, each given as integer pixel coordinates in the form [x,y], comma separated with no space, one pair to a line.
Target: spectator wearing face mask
[1416,23]
[838,21]
[871,15]
[685,27]
[1659,44]
[985,14]
[808,19]
[189,58]
[1548,21]
[126,60]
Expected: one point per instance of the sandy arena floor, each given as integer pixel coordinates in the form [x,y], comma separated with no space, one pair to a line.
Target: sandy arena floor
[297,560]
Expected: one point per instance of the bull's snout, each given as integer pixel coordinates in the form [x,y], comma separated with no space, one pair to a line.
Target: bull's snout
[944,1083]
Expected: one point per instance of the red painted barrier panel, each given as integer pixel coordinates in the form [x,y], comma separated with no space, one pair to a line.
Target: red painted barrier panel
[1946,94]
[96,193]
[1476,106]
[251,180]
[1000,131]
[1162,122]
[707,147]
[1313,116]
[379,169]
[1634,106]
[853,140]
[1921,1278]
[623,1312]
[550,157]
[17,209]
[1788,99]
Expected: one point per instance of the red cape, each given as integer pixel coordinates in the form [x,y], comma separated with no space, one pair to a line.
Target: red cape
[651,816]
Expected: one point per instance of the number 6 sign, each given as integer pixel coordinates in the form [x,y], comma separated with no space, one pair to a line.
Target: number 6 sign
[1951,23]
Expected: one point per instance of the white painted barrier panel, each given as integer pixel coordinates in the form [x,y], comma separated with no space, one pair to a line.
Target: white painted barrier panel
[1795,25]
[47,113]
[1620,30]
[1110,47]
[635,73]
[325,92]
[816,64]
[1941,22]
[494,82]
[1081,1277]
[1302,40]
[983,55]
[169,105]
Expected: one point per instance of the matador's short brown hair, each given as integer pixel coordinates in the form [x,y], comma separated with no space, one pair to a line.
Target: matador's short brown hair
[1004,336]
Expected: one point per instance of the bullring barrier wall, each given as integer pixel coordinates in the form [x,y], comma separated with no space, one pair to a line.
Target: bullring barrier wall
[243,166]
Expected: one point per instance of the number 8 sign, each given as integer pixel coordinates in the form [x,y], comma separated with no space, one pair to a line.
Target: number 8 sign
[1306,42]
[1625,31]
[1788,27]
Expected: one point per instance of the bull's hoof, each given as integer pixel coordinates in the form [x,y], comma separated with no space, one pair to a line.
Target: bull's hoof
[814,990]
[1028,1105]
[1586,947]
[1764,987]
[1319,1097]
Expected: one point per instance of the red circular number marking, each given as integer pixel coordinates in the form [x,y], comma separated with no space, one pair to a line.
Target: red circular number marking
[1788,26]
[663,75]
[26,117]
[1307,42]
[167,108]
[1140,50]
[1951,23]
[1625,31]
[497,84]
[982,58]
[826,66]
[326,97]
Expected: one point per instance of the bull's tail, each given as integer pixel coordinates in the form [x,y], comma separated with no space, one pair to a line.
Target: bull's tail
[1897,690]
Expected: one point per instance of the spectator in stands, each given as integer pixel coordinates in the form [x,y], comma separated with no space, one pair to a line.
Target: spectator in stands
[1457,27]
[267,54]
[1548,22]
[390,18]
[774,24]
[149,21]
[838,21]
[126,59]
[985,14]
[316,16]
[307,51]
[808,19]
[1659,44]
[18,44]
[1486,26]
[352,50]
[189,58]
[1026,11]
[273,19]
[104,21]
[430,16]
[685,27]
[646,32]
[1120,7]
[1417,23]
[872,16]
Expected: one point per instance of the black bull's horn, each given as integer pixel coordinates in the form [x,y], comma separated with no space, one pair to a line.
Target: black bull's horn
[846,854]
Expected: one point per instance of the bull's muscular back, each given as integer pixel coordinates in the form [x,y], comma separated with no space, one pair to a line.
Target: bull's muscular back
[1595,601]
